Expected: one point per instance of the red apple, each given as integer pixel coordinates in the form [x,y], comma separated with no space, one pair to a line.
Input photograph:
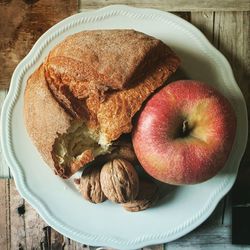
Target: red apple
[185,133]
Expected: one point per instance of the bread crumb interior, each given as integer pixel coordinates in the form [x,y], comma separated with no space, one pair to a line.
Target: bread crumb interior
[70,145]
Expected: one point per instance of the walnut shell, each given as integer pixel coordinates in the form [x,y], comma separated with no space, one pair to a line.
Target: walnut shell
[123,150]
[147,197]
[119,181]
[90,186]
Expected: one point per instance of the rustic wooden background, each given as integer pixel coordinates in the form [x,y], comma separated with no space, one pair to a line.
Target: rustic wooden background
[225,24]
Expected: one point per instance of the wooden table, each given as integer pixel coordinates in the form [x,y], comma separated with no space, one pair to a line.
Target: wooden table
[225,24]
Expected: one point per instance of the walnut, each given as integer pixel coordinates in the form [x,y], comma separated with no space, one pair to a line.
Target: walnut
[119,181]
[125,151]
[90,186]
[147,197]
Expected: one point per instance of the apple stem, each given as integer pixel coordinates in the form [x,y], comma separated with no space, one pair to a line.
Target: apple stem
[185,127]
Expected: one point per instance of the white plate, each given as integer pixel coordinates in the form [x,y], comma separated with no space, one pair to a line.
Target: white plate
[107,224]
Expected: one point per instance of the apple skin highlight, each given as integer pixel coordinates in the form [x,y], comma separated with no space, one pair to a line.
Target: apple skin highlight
[185,133]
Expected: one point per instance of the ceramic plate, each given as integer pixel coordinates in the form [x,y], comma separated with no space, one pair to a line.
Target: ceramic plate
[107,224]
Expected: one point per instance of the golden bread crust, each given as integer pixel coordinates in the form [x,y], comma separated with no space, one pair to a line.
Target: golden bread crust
[116,113]
[44,117]
[107,83]
[45,120]
[108,58]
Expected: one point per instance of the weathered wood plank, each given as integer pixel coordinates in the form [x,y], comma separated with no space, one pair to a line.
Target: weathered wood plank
[204,21]
[227,216]
[177,5]
[232,32]
[183,15]
[17,211]
[154,247]
[5,214]
[4,170]
[21,227]
[34,228]
[232,35]
[22,23]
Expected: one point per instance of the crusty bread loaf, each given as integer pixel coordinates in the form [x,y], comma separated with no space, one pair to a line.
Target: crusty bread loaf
[103,76]
[44,117]
[45,121]
[87,91]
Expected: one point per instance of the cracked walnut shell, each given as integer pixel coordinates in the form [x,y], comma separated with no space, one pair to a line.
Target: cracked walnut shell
[119,181]
[90,186]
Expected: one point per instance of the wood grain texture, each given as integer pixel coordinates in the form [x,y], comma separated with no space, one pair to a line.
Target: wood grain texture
[177,5]
[22,228]
[232,38]
[204,21]
[154,247]
[17,226]
[229,32]
[22,23]
[5,214]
